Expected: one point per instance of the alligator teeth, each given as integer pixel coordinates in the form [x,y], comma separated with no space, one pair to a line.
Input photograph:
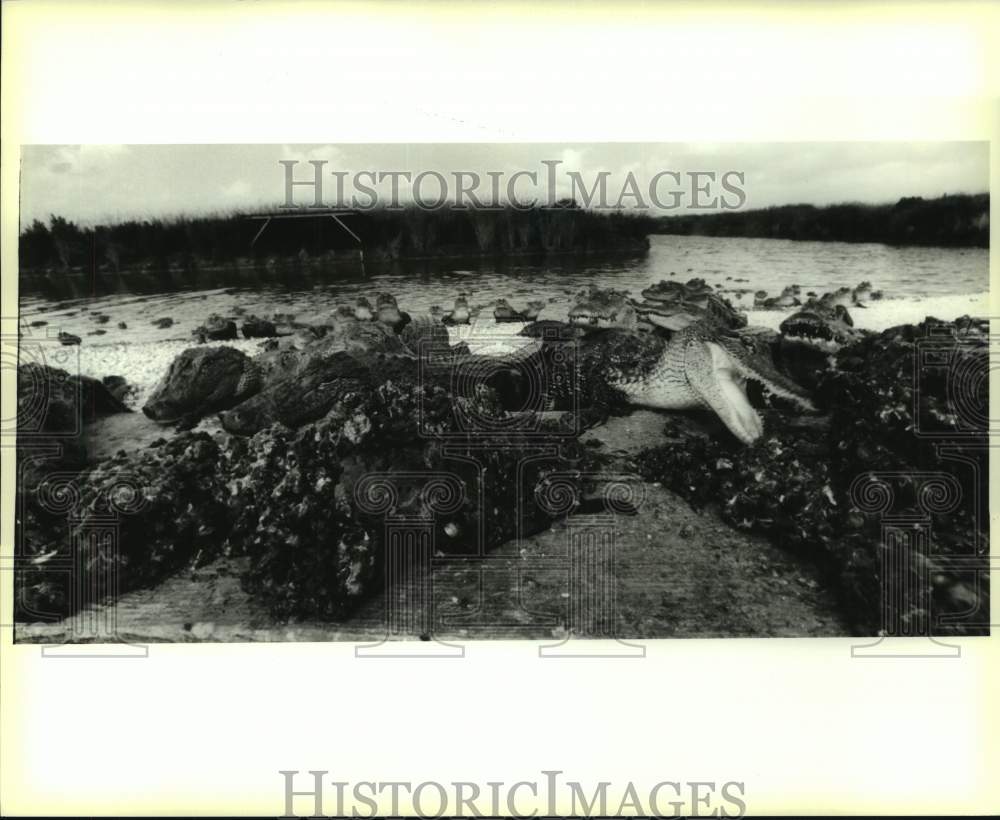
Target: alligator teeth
[814,341]
[772,389]
[591,319]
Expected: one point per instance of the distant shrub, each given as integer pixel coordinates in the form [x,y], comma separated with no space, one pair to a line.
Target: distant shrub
[953,220]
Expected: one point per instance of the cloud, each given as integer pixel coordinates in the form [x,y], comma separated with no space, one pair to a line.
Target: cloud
[238,189]
[306,153]
[93,183]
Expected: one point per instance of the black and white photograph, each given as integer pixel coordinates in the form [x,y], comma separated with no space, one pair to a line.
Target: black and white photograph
[510,409]
[463,392]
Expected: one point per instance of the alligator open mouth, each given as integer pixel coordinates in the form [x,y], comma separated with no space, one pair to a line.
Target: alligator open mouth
[814,334]
[827,334]
[591,319]
[695,371]
[729,400]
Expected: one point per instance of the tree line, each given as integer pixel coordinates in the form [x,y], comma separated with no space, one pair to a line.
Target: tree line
[220,239]
[961,220]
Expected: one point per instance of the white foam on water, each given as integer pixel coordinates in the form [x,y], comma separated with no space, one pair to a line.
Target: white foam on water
[885,313]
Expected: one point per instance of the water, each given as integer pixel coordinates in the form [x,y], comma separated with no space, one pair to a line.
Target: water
[943,282]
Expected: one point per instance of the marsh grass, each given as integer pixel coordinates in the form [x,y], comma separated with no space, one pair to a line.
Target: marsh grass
[190,242]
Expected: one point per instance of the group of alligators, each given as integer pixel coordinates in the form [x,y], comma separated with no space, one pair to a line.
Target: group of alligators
[680,346]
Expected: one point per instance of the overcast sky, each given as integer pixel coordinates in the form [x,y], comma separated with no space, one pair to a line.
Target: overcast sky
[106,183]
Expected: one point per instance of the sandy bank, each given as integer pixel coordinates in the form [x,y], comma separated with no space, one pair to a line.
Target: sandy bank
[677,574]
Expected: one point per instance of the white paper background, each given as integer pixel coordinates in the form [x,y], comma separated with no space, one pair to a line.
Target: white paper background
[206,728]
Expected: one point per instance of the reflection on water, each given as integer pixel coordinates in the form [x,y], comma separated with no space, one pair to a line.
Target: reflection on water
[73,302]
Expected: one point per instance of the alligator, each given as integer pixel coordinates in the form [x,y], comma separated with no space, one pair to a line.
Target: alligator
[698,355]
[682,347]
[824,325]
[215,329]
[387,311]
[604,308]
[363,311]
[789,297]
[503,312]
[199,381]
[672,306]
[812,336]
[704,365]
[459,315]
[205,380]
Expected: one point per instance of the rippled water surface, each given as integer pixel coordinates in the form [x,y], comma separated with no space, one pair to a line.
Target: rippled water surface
[70,302]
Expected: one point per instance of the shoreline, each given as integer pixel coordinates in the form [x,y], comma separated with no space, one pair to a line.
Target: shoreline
[980,245]
[950,221]
[353,259]
[220,479]
[115,355]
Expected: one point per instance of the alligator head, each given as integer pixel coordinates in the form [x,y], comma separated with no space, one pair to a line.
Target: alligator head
[503,312]
[673,306]
[460,313]
[387,310]
[534,307]
[823,325]
[709,367]
[603,308]
[814,334]
[864,293]
[363,310]
[200,381]
[789,297]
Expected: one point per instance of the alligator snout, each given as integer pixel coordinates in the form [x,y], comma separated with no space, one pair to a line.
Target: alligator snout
[160,411]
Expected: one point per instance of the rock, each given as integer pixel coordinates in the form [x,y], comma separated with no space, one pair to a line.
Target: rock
[38,323]
[56,410]
[215,329]
[101,318]
[52,400]
[163,323]
[257,328]
[122,326]
[168,505]
[68,338]
[310,554]
[315,549]
[53,410]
